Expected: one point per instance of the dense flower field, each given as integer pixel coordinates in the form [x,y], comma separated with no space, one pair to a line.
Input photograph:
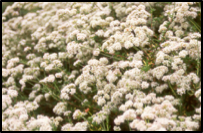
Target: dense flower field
[101,66]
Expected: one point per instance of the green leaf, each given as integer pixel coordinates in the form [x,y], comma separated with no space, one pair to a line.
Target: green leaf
[145,68]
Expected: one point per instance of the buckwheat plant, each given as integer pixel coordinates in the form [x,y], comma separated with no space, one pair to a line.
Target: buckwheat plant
[101,66]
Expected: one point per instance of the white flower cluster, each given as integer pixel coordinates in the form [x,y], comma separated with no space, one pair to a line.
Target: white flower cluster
[14,117]
[77,114]
[60,108]
[80,126]
[91,63]
[69,89]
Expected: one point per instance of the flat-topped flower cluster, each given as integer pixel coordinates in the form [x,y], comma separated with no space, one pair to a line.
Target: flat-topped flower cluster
[101,66]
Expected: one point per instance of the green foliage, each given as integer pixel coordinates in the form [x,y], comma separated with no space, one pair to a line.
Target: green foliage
[5,4]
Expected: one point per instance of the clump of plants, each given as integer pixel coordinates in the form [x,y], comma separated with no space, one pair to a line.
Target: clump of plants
[101,66]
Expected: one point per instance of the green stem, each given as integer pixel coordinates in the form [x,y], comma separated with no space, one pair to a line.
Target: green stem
[195,25]
[172,89]
[103,126]
[129,125]
[110,56]
[107,123]
[77,98]
[56,87]
[198,62]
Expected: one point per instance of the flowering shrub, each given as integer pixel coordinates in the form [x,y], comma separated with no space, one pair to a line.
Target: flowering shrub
[101,66]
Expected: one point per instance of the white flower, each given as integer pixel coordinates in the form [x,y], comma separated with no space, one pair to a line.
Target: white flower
[5,72]
[104,60]
[117,46]
[47,96]
[145,85]
[119,120]
[67,113]
[24,117]
[96,52]
[116,128]
[6,101]
[81,36]
[179,33]
[59,108]
[77,114]
[50,78]
[100,33]
[101,101]
[130,114]
[12,93]
[183,53]
[128,44]
[58,75]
